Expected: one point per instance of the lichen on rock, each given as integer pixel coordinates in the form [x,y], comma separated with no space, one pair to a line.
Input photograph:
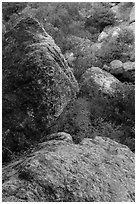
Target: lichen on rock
[96,170]
[35,73]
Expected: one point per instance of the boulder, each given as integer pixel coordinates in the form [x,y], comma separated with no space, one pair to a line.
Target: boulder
[129,66]
[115,10]
[132,15]
[37,81]
[96,80]
[123,11]
[129,71]
[97,170]
[132,27]
[116,67]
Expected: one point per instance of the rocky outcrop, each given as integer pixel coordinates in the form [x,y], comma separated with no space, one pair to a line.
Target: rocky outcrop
[37,85]
[96,80]
[37,80]
[97,170]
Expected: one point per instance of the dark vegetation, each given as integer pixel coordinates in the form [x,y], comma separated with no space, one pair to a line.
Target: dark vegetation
[101,17]
[117,48]
[112,117]
[108,117]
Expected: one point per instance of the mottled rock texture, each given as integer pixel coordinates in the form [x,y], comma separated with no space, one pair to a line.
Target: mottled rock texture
[37,81]
[116,67]
[96,80]
[96,170]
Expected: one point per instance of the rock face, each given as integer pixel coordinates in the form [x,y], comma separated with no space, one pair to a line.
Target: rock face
[96,80]
[97,170]
[37,80]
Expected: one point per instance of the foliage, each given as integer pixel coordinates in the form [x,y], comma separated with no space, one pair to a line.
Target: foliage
[115,117]
[101,17]
[116,47]
[75,120]
[9,8]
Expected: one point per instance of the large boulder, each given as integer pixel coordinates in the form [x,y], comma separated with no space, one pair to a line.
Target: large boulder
[96,80]
[97,170]
[37,81]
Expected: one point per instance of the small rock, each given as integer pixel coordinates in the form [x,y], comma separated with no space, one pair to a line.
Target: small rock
[116,67]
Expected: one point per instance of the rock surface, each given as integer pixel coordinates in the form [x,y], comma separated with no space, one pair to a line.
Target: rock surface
[97,170]
[129,66]
[96,80]
[103,35]
[116,67]
[132,15]
[123,11]
[37,79]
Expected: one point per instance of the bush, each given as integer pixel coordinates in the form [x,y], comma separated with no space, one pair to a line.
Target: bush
[116,47]
[10,8]
[115,117]
[75,120]
[102,16]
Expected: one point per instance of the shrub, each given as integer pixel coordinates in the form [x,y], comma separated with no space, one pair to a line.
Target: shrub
[10,8]
[115,117]
[102,16]
[116,47]
[75,120]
